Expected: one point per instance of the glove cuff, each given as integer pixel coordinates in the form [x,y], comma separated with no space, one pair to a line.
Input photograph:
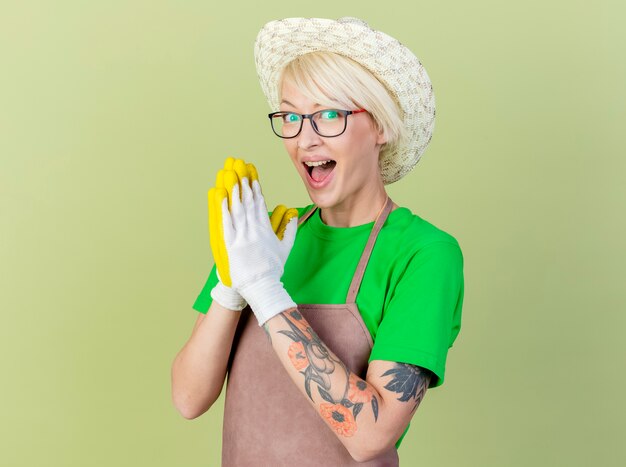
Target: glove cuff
[228,297]
[267,297]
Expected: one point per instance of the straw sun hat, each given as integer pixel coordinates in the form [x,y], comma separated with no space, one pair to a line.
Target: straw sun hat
[395,66]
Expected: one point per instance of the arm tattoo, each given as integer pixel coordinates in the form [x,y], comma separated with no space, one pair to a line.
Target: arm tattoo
[310,356]
[410,381]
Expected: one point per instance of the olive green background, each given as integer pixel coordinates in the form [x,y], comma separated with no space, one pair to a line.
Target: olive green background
[114,118]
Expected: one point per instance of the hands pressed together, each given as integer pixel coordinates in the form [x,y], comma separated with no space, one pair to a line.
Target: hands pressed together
[250,248]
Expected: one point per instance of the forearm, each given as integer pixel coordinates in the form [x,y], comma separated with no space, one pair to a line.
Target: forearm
[199,369]
[352,408]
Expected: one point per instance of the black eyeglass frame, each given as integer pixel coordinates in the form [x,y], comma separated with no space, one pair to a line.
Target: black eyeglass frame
[345,113]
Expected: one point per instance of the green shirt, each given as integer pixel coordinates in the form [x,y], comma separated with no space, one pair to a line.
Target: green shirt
[412,291]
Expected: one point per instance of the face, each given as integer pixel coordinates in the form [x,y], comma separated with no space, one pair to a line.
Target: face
[353,175]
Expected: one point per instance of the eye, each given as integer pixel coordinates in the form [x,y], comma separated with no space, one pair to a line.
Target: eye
[329,114]
[290,117]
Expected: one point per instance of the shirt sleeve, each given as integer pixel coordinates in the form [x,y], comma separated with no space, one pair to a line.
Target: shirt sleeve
[423,316]
[204,300]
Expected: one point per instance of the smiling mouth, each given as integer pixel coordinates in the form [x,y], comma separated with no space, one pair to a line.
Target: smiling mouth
[319,172]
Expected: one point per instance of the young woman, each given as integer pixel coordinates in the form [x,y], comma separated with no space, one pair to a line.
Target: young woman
[331,331]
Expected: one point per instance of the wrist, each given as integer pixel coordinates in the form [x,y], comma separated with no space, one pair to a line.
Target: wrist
[267,297]
[228,297]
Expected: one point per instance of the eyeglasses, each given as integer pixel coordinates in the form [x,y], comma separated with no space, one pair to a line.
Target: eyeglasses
[327,123]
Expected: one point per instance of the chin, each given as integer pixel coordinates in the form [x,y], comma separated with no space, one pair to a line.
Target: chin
[323,200]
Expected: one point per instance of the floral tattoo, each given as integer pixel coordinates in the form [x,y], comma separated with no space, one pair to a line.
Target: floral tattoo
[310,356]
[410,381]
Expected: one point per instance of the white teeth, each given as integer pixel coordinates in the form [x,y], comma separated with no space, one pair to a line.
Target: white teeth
[315,164]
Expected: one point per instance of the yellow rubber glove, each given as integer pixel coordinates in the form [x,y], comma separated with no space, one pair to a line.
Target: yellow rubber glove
[234,171]
[281,215]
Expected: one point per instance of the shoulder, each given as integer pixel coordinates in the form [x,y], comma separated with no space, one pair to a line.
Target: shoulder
[415,233]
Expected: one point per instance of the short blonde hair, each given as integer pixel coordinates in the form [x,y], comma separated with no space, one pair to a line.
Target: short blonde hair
[331,79]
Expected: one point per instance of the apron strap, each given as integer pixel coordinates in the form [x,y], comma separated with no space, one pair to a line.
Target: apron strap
[365,256]
[306,216]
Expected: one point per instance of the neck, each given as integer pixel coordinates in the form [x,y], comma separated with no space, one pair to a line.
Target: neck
[356,210]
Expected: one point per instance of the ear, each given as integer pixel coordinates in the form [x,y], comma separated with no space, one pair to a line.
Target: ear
[381,138]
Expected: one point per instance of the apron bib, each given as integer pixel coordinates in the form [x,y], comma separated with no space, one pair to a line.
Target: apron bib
[267,420]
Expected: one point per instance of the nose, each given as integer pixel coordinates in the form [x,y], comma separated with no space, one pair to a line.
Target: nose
[308,138]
